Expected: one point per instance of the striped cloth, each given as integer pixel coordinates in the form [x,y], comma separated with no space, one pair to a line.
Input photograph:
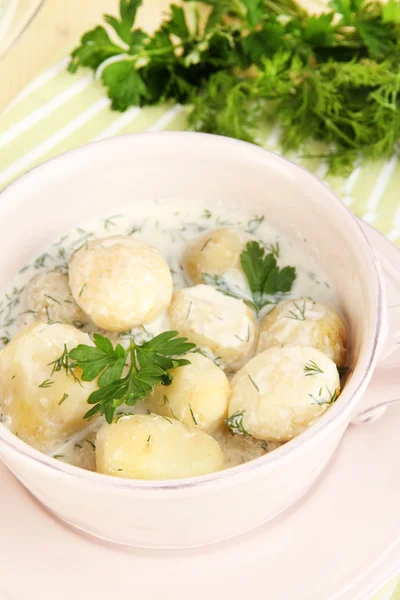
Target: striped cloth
[57,112]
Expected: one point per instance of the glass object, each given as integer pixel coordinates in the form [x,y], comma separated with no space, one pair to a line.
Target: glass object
[15,16]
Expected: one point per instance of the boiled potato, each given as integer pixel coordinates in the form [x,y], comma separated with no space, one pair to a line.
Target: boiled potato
[155,447]
[198,395]
[304,322]
[48,296]
[214,253]
[41,407]
[281,391]
[120,282]
[221,324]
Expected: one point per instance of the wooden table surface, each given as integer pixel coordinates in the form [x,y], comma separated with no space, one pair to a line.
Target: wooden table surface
[54,31]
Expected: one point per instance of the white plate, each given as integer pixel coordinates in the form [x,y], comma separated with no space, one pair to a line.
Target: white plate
[341,542]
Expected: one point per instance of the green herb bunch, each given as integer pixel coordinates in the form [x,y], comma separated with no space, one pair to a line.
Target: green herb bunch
[147,365]
[239,63]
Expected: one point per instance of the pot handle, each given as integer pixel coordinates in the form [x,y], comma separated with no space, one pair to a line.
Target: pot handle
[384,387]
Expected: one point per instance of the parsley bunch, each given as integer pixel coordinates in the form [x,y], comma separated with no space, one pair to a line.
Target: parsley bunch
[149,365]
[238,63]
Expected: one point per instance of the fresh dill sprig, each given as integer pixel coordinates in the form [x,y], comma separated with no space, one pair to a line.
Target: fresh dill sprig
[274,249]
[299,313]
[63,363]
[109,222]
[321,399]
[46,383]
[192,413]
[235,423]
[311,368]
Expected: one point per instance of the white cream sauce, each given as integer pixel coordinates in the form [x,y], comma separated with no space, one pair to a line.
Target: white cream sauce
[169,226]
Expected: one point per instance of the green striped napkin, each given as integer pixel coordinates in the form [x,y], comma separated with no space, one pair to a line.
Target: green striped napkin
[57,112]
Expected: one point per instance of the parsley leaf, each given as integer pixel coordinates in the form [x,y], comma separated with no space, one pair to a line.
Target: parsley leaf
[95,48]
[124,84]
[265,278]
[150,364]
[100,358]
[123,25]
[391,12]
[263,275]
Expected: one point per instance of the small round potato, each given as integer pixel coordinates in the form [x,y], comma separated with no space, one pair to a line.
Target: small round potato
[281,391]
[155,447]
[198,395]
[120,282]
[304,322]
[223,325]
[41,407]
[214,253]
[48,296]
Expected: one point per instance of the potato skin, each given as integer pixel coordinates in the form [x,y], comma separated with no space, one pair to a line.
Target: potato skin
[214,253]
[120,282]
[278,396]
[49,296]
[222,325]
[154,447]
[198,395]
[321,328]
[35,412]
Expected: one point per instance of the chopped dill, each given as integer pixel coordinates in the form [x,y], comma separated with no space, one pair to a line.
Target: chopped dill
[311,368]
[46,383]
[253,382]
[109,222]
[63,362]
[299,314]
[235,423]
[254,224]
[52,298]
[122,414]
[65,396]
[193,417]
[82,289]
[41,261]
[274,249]
[189,309]
[205,244]
[320,399]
